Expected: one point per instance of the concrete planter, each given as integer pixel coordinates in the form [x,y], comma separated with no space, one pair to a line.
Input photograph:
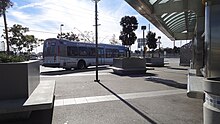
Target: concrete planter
[155,62]
[129,66]
[18,80]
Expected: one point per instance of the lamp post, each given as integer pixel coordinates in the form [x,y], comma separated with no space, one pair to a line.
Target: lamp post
[96,39]
[61,25]
[159,37]
[143,28]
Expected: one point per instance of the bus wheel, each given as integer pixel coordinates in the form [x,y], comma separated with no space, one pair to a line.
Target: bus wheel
[81,64]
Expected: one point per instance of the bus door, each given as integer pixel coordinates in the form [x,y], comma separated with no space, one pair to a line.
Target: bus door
[52,52]
[101,56]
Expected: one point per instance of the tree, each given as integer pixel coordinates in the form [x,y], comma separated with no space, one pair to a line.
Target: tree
[88,36]
[19,41]
[113,40]
[129,25]
[5,4]
[69,36]
[151,40]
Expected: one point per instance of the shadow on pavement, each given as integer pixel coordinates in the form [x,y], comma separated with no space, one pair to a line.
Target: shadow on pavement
[130,105]
[63,72]
[167,82]
[36,117]
[135,75]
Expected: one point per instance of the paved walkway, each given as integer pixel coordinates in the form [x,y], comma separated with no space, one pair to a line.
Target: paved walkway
[157,97]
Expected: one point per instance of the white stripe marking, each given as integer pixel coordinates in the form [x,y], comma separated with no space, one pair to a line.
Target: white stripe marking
[94,99]
[71,75]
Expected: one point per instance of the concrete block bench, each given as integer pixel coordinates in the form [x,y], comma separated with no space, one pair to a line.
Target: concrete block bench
[41,98]
[21,90]
[155,62]
[126,66]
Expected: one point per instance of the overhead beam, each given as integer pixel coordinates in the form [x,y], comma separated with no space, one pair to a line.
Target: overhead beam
[154,12]
[177,6]
[184,36]
[146,10]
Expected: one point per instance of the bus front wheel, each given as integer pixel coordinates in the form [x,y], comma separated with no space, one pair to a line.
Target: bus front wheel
[81,64]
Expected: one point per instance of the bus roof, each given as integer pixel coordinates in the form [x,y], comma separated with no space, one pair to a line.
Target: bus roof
[68,42]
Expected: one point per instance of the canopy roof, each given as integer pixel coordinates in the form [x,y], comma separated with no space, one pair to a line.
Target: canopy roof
[175,18]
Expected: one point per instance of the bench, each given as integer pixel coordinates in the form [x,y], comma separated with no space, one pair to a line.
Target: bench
[41,98]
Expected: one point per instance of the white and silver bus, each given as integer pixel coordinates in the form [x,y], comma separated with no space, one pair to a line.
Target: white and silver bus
[70,54]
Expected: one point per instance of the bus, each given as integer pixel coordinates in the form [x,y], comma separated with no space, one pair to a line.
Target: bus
[67,54]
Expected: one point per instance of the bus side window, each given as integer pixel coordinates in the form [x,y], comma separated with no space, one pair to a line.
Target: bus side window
[115,53]
[91,52]
[101,52]
[109,53]
[72,51]
[83,51]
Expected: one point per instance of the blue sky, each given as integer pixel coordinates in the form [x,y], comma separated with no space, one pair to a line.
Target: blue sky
[43,17]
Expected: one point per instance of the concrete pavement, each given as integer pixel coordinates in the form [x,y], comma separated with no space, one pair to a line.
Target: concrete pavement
[159,96]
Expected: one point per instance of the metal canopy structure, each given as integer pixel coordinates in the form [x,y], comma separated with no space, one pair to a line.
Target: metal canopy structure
[177,19]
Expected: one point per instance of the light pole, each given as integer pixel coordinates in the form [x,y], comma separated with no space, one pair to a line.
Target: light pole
[159,37]
[61,25]
[96,39]
[143,28]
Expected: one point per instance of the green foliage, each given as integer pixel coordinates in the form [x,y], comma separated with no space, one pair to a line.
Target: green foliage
[4,58]
[113,40]
[4,4]
[151,40]
[19,41]
[129,25]
[69,36]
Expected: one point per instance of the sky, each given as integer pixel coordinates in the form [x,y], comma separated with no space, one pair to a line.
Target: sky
[44,17]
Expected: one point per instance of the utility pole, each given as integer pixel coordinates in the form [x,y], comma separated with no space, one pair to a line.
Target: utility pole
[61,30]
[96,39]
[159,37]
[143,28]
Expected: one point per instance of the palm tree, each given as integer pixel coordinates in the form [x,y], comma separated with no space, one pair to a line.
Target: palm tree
[5,4]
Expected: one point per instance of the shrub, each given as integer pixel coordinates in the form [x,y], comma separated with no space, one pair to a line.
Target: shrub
[4,58]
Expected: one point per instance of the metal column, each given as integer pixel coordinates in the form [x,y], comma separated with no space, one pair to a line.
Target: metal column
[211,106]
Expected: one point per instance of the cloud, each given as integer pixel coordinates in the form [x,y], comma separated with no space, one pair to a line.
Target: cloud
[44,17]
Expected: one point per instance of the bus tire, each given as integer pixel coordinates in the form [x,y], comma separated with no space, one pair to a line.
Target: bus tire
[81,64]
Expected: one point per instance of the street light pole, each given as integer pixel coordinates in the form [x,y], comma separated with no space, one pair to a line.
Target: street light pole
[96,39]
[159,37]
[143,28]
[61,30]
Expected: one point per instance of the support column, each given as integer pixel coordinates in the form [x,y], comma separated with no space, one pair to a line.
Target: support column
[199,48]
[211,106]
